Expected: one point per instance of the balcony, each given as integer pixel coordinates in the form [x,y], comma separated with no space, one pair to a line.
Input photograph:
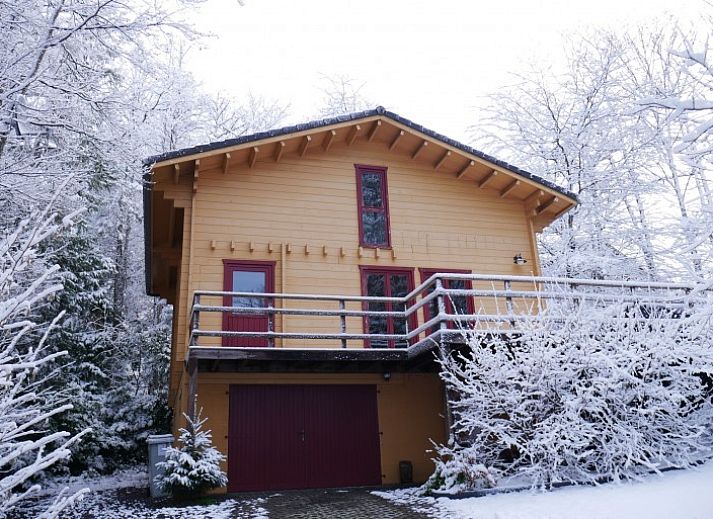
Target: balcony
[345,328]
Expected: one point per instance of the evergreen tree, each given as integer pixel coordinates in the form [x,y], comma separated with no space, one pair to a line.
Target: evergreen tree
[195,466]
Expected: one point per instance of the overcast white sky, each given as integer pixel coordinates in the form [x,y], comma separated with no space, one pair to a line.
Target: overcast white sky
[429,61]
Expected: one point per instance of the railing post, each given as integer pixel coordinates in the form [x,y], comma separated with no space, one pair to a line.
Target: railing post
[442,324]
[271,321]
[195,320]
[507,285]
[343,321]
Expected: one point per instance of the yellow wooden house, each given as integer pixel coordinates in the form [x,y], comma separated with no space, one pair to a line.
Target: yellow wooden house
[314,270]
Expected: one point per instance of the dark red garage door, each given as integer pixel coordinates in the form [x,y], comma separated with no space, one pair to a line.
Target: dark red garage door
[302,436]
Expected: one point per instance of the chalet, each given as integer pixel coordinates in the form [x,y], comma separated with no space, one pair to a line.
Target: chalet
[314,269]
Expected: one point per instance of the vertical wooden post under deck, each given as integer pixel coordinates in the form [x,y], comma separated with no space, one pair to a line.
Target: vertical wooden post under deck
[443,327]
[192,367]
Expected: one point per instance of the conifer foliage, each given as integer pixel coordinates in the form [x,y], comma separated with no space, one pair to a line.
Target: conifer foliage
[194,467]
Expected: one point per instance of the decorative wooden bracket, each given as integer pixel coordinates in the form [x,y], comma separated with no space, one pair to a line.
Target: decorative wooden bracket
[512,185]
[488,179]
[396,139]
[196,172]
[253,156]
[328,139]
[353,134]
[226,163]
[279,150]
[421,147]
[545,205]
[303,145]
[443,158]
[465,168]
[533,199]
[374,130]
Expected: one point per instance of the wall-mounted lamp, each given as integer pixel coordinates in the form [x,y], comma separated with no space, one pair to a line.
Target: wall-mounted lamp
[518,259]
[387,376]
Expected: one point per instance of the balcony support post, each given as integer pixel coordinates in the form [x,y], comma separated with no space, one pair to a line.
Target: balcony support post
[447,393]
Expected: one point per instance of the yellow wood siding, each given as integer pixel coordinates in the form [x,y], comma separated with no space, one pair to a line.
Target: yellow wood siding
[437,221]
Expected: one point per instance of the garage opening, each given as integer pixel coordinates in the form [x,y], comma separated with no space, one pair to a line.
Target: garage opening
[302,436]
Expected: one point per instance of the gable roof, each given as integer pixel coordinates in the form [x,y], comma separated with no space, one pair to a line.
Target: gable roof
[322,123]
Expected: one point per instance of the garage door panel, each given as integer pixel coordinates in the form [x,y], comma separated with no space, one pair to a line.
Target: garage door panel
[343,444]
[265,424]
[303,436]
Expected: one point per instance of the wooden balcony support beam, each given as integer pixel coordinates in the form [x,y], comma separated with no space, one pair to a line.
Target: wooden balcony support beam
[487,179]
[303,145]
[374,130]
[396,139]
[328,140]
[253,156]
[508,189]
[279,150]
[353,134]
[443,158]
[465,168]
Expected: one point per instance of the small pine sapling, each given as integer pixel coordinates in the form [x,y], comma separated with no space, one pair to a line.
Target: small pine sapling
[194,467]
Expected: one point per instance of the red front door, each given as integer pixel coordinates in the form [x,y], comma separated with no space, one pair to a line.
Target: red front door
[302,436]
[247,276]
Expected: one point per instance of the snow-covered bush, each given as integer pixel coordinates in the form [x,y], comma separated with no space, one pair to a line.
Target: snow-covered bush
[458,470]
[27,448]
[194,467]
[584,393]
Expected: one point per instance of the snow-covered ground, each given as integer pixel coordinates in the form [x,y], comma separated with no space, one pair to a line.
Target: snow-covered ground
[673,495]
[124,496]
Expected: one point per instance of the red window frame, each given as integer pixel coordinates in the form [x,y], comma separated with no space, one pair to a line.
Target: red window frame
[365,270]
[380,170]
[426,273]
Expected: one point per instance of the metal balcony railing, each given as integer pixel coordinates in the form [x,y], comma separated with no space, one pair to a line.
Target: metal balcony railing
[428,314]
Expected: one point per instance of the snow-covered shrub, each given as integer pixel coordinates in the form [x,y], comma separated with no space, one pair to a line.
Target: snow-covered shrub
[583,393]
[458,470]
[193,467]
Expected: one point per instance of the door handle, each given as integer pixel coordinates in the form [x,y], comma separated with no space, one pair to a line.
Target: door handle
[302,435]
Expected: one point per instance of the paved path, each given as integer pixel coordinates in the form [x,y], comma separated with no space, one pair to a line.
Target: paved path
[326,504]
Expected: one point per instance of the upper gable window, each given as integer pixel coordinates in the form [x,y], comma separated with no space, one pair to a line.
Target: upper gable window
[373,203]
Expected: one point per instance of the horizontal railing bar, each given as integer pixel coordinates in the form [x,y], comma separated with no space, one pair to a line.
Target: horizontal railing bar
[516,294]
[306,297]
[297,335]
[549,280]
[295,311]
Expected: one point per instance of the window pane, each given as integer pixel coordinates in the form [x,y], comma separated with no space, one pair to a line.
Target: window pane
[399,285]
[246,281]
[371,190]
[374,228]
[375,285]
